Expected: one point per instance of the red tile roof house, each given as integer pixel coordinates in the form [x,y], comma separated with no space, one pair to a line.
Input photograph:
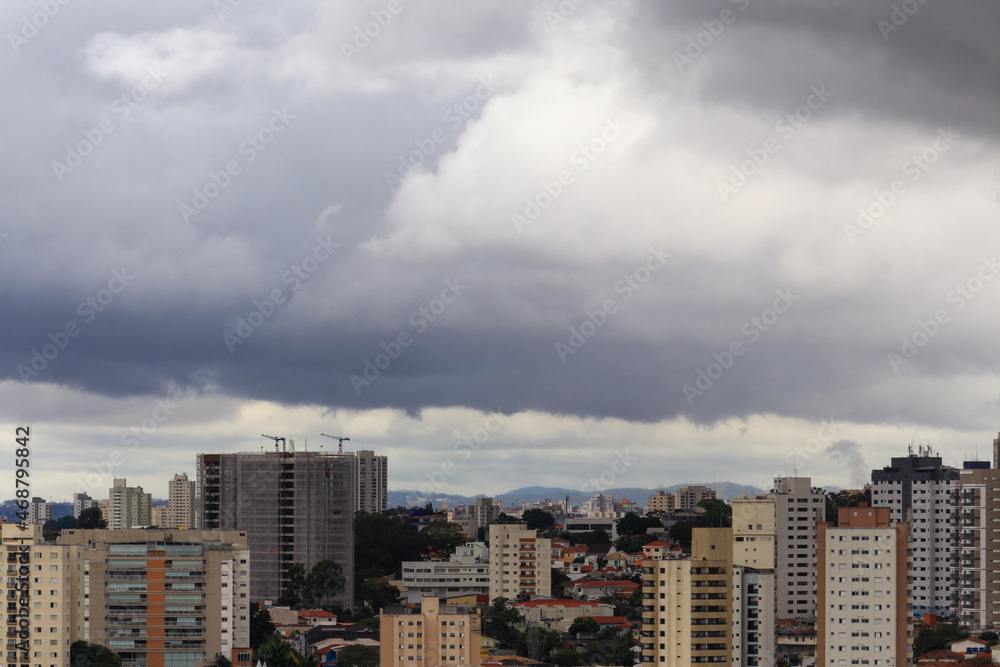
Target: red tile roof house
[316,616]
[594,590]
[559,614]
[969,645]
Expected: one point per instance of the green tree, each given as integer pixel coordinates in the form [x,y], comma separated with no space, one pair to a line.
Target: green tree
[378,592]
[559,580]
[222,661]
[261,627]
[501,623]
[68,521]
[718,513]
[566,657]
[990,637]
[91,518]
[443,536]
[325,582]
[357,656]
[595,537]
[938,637]
[276,652]
[84,654]
[294,589]
[680,533]
[538,643]
[537,519]
[382,541]
[584,624]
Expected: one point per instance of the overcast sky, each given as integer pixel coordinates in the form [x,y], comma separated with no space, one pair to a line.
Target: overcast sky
[622,243]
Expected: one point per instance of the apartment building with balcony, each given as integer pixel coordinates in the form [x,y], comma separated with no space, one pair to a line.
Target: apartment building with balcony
[432,635]
[687,604]
[921,491]
[979,546]
[45,598]
[520,563]
[164,598]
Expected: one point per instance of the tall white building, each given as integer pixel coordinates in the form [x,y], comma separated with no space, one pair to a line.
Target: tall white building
[921,491]
[467,572]
[798,508]
[863,595]
[181,507]
[373,481]
[128,507]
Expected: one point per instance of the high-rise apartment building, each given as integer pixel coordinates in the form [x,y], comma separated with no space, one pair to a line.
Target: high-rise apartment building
[919,490]
[128,507]
[434,634]
[979,556]
[45,599]
[373,481]
[798,507]
[863,596]
[296,507]
[82,501]
[164,598]
[180,504]
[39,511]
[520,562]
[661,501]
[687,608]
[485,511]
[158,516]
[688,497]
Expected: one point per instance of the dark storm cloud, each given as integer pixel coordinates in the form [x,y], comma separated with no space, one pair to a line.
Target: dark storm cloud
[255,165]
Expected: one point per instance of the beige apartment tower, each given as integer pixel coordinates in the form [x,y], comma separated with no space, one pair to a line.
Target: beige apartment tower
[798,508]
[181,507]
[128,507]
[755,533]
[520,563]
[863,609]
[430,636]
[688,497]
[661,501]
[164,598]
[979,560]
[45,599]
[687,605]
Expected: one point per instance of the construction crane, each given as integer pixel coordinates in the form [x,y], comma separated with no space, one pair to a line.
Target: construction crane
[276,439]
[340,443]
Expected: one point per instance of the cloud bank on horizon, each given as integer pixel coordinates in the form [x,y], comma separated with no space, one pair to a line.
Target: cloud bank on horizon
[698,229]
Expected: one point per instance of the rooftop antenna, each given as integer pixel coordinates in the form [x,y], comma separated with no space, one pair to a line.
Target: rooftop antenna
[340,441]
[276,439]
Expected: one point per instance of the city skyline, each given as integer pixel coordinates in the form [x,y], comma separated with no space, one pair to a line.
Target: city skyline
[617,240]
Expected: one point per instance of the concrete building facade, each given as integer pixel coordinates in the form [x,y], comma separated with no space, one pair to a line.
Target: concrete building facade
[520,563]
[922,492]
[82,501]
[432,635]
[863,593]
[979,556]
[296,507]
[165,598]
[39,511]
[755,533]
[688,497]
[128,507]
[465,573]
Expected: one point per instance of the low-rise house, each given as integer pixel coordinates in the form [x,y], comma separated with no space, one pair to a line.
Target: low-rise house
[557,614]
[585,589]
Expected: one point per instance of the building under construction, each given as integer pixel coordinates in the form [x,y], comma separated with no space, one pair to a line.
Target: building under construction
[296,507]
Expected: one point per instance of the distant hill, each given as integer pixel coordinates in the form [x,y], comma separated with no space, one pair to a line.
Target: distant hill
[410,497]
[8,510]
